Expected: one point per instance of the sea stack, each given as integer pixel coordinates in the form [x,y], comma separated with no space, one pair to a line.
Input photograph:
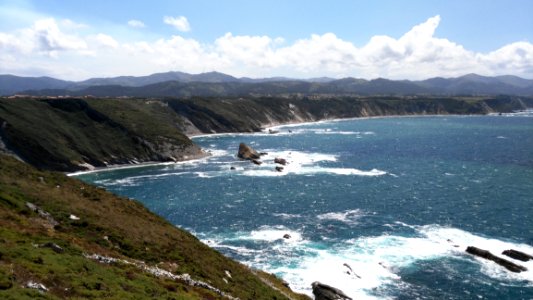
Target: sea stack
[247,152]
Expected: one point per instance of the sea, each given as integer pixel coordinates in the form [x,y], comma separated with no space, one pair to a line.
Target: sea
[381,208]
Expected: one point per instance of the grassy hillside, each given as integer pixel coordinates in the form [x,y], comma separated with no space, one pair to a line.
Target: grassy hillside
[42,242]
[68,134]
[63,134]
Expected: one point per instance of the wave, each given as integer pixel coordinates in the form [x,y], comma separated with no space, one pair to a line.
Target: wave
[365,267]
[349,217]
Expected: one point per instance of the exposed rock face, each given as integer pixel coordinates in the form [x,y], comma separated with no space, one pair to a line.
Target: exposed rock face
[326,292]
[257,162]
[247,152]
[501,261]
[281,161]
[517,255]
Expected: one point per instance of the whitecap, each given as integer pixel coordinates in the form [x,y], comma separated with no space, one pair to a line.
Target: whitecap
[377,261]
[274,233]
[348,216]
[312,171]
[287,216]
[452,237]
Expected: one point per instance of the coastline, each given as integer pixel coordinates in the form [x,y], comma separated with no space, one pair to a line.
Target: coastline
[265,129]
[138,165]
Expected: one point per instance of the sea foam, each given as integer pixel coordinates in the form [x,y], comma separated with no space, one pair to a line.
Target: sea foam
[364,266]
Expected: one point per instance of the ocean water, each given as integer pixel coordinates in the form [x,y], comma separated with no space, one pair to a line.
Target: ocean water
[381,208]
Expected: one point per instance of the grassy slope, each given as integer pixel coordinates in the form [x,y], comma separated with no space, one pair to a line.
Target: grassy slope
[132,232]
[60,134]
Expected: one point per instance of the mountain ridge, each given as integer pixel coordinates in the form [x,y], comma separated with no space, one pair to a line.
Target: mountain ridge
[220,84]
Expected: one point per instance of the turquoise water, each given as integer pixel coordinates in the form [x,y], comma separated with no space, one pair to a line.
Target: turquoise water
[396,199]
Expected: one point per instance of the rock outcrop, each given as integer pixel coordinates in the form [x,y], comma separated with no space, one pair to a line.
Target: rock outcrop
[326,292]
[279,169]
[517,255]
[501,261]
[247,152]
[281,161]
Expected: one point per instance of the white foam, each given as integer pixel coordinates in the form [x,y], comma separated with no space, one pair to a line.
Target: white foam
[276,233]
[287,216]
[376,261]
[464,239]
[333,132]
[312,171]
[135,180]
[348,216]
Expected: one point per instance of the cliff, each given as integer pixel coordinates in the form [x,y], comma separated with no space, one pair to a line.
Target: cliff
[75,134]
[61,238]
[210,115]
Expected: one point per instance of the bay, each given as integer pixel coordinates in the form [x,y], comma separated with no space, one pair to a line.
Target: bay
[380,208]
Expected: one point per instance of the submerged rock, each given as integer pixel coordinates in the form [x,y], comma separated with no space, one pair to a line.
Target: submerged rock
[279,169]
[247,152]
[326,292]
[501,261]
[257,162]
[286,236]
[517,255]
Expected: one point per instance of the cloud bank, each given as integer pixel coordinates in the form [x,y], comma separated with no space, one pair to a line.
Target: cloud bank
[48,47]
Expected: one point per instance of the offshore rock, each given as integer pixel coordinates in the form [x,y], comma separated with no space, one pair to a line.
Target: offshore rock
[501,261]
[257,162]
[326,292]
[517,255]
[279,169]
[281,161]
[247,152]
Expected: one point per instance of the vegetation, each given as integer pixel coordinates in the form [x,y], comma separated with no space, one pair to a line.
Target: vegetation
[62,134]
[85,220]
[66,134]
[213,84]
[50,224]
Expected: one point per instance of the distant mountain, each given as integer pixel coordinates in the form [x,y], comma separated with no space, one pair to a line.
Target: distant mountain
[179,84]
[10,84]
[473,84]
[133,81]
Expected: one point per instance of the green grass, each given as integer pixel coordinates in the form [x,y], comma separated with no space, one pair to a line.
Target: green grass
[133,233]
[60,134]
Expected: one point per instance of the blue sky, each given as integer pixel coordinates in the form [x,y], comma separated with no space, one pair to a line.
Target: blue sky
[368,39]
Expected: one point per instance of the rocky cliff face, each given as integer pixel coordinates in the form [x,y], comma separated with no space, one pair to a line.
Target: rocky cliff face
[252,114]
[76,134]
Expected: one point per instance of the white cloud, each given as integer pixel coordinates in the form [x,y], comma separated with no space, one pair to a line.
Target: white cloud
[50,37]
[106,41]
[418,54]
[180,23]
[69,24]
[136,24]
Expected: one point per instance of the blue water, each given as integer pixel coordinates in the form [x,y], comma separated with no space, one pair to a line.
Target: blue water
[396,199]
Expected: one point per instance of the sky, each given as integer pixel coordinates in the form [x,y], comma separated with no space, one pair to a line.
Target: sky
[410,39]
